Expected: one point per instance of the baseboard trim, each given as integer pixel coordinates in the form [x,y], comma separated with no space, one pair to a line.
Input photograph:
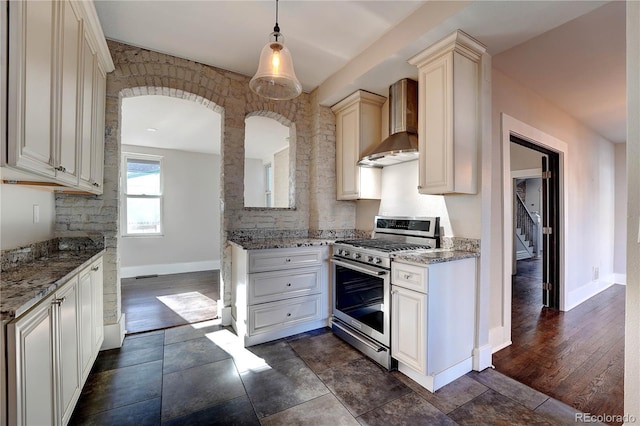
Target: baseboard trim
[225,315]
[482,357]
[587,291]
[114,334]
[169,268]
[620,279]
[497,339]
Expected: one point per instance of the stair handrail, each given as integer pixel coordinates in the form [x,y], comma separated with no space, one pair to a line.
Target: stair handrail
[526,222]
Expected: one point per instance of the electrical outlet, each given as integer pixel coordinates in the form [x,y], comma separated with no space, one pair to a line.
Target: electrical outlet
[36,213]
[596,273]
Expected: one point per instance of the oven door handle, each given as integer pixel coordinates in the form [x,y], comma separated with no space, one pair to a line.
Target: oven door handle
[359,267]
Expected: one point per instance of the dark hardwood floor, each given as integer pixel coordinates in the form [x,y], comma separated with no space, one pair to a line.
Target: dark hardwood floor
[576,356]
[169,300]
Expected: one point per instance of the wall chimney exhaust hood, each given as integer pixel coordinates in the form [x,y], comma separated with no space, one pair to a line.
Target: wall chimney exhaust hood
[402,143]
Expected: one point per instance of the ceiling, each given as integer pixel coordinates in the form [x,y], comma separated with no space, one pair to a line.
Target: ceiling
[570,52]
[171,123]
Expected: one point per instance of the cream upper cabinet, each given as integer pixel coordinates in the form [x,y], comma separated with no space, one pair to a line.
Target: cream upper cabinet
[58,60]
[357,129]
[32,30]
[449,115]
[69,80]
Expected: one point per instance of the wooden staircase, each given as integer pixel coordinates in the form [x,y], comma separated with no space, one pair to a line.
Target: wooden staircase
[526,231]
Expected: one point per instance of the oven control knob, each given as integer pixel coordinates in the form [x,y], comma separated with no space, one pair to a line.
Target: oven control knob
[369,259]
[339,252]
[357,256]
[377,260]
[345,253]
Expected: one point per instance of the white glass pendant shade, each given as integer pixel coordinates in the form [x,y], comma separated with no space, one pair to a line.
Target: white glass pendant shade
[276,78]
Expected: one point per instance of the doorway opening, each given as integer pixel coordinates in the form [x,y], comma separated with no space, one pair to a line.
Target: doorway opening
[536,215]
[170,225]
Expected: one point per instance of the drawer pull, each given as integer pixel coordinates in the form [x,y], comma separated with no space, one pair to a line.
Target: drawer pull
[407,276]
[59,301]
[95,268]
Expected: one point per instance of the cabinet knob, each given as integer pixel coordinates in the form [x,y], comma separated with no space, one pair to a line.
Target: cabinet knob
[95,268]
[287,260]
[61,169]
[288,284]
[289,314]
[407,276]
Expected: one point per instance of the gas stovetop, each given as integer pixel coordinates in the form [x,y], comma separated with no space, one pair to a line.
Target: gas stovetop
[392,235]
[383,245]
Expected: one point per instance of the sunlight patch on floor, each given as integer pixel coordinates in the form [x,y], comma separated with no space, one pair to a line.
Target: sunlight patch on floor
[191,305]
[245,360]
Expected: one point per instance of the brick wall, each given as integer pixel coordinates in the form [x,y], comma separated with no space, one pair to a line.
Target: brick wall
[142,72]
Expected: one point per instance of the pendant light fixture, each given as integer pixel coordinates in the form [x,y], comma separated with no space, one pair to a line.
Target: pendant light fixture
[275,78]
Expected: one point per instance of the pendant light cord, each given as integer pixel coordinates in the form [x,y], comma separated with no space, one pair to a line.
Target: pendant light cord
[276,29]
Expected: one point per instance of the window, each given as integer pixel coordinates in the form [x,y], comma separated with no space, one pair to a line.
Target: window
[142,189]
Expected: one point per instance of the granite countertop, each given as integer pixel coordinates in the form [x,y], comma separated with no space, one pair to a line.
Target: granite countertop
[428,257]
[23,286]
[271,243]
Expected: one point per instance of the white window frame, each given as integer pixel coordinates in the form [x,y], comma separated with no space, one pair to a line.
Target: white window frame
[268,184]
[125,196]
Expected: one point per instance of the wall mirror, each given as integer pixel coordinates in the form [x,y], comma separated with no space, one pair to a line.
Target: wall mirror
[267,163]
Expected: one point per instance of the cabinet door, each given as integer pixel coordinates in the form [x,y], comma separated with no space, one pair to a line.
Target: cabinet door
[97,146]
[409,328]
[69,338]
[31,58]
[31,372]
[67,145]
[348,153]
[435,133]
[87,110]
[97,284]
[86,321]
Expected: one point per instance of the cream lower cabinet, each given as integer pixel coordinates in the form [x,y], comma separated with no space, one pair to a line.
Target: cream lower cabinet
[91,324]
[433,320]
[50,350]
[278,292]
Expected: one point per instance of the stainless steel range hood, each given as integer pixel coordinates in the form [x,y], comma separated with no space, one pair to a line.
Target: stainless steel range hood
[402,144]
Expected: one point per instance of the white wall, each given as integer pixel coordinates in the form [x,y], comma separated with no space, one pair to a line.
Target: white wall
[459,214]
[16,216]
[590,185]
[254,183]
[191,218]
[620,243]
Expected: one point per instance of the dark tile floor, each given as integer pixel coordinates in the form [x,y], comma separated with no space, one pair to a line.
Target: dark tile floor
[200,374]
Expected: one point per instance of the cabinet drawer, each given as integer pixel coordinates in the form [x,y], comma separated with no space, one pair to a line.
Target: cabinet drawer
[276,285]
[282,314]
[410,276]
[267,260]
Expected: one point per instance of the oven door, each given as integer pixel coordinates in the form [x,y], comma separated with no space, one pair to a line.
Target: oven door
[361,298]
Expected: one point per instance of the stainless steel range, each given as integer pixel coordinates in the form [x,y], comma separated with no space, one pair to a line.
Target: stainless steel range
[362,281]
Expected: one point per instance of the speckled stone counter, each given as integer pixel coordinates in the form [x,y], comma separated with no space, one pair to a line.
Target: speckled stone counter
[23,286]
[428,257]
[272,243]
